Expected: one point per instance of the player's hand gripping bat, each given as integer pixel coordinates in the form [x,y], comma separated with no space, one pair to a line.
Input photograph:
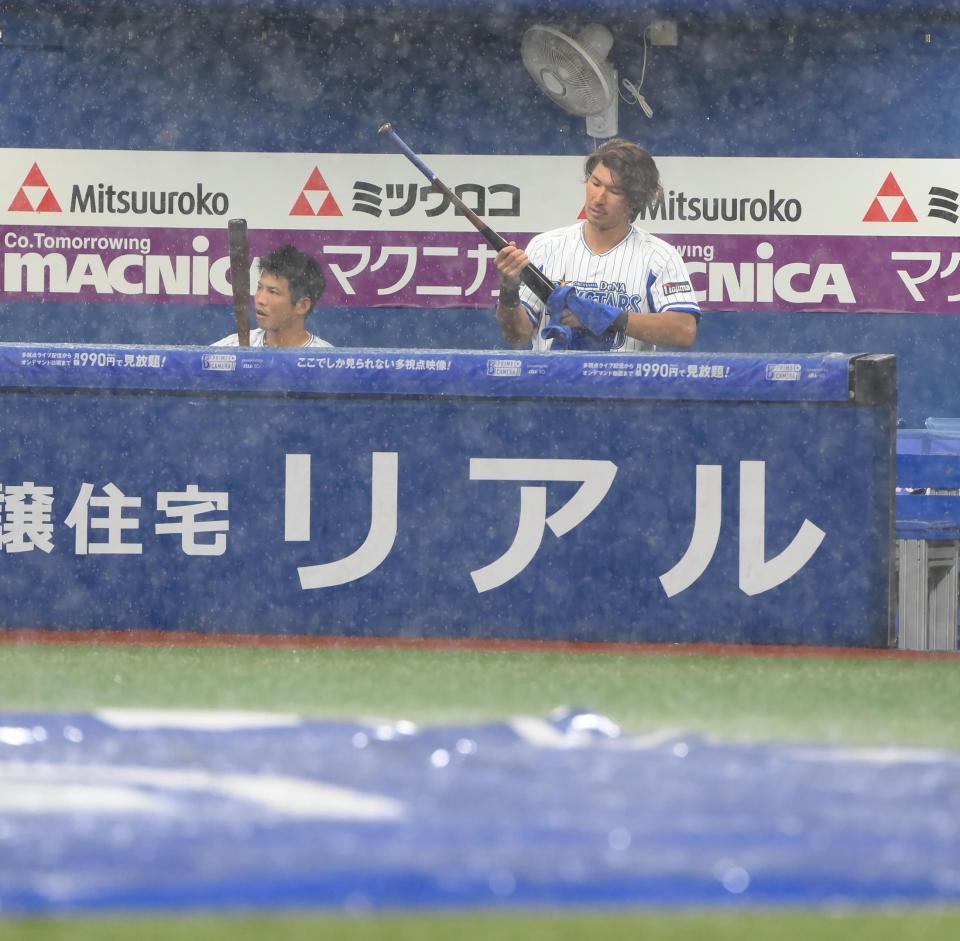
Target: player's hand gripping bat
[240,277]
[532,277]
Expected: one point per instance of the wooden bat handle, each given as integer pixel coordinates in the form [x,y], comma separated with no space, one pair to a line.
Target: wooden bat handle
[240,277]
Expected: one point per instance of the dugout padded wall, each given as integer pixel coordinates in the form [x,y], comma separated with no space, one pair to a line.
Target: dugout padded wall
[588,497]
[802,78]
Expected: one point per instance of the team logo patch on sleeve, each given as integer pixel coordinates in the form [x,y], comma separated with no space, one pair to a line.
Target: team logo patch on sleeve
[676,287]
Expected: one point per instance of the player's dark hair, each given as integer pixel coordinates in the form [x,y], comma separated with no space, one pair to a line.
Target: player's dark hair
[302,272]
[636,172]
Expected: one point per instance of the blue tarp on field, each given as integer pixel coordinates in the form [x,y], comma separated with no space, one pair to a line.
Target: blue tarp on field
[132,811]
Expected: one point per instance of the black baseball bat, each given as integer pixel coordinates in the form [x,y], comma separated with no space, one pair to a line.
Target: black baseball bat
[532,277]
[240,277]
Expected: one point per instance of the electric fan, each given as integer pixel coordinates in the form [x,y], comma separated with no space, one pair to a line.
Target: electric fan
[575,73]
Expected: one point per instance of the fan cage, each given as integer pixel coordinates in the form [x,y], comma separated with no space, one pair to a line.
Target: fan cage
[566,72]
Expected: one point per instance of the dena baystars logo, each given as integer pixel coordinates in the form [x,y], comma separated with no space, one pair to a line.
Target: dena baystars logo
[34,194]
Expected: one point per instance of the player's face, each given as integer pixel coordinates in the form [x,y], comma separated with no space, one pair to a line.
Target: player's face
[274,305]
[607,206]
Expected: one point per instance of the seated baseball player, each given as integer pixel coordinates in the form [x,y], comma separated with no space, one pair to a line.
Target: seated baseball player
[290,284]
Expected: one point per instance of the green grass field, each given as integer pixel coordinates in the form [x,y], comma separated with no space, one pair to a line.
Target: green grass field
[753,926]
[871,701]
[868,701]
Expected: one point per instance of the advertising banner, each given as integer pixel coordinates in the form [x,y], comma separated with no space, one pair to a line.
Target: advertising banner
[810,234]
[728,499]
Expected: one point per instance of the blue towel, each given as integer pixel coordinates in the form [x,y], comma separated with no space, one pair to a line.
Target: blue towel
[596,317]
[562,336]
[603,323]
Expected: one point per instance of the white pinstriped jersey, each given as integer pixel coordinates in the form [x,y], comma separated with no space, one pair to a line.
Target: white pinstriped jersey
[642,273]
[257,337]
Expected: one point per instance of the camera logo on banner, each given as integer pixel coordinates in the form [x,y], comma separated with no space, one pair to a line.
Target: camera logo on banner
[783,372]
[219,362]
[503,367]
[35,194]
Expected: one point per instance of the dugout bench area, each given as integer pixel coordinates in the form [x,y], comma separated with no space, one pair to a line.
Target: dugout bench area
[665,497]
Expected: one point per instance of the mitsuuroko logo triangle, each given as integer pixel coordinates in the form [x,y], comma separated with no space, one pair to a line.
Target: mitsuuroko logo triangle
[34,194]
[315,198]
[890,205]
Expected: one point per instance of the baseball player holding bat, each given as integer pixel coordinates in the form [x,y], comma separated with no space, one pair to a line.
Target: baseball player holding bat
[620,288]
[290,284]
